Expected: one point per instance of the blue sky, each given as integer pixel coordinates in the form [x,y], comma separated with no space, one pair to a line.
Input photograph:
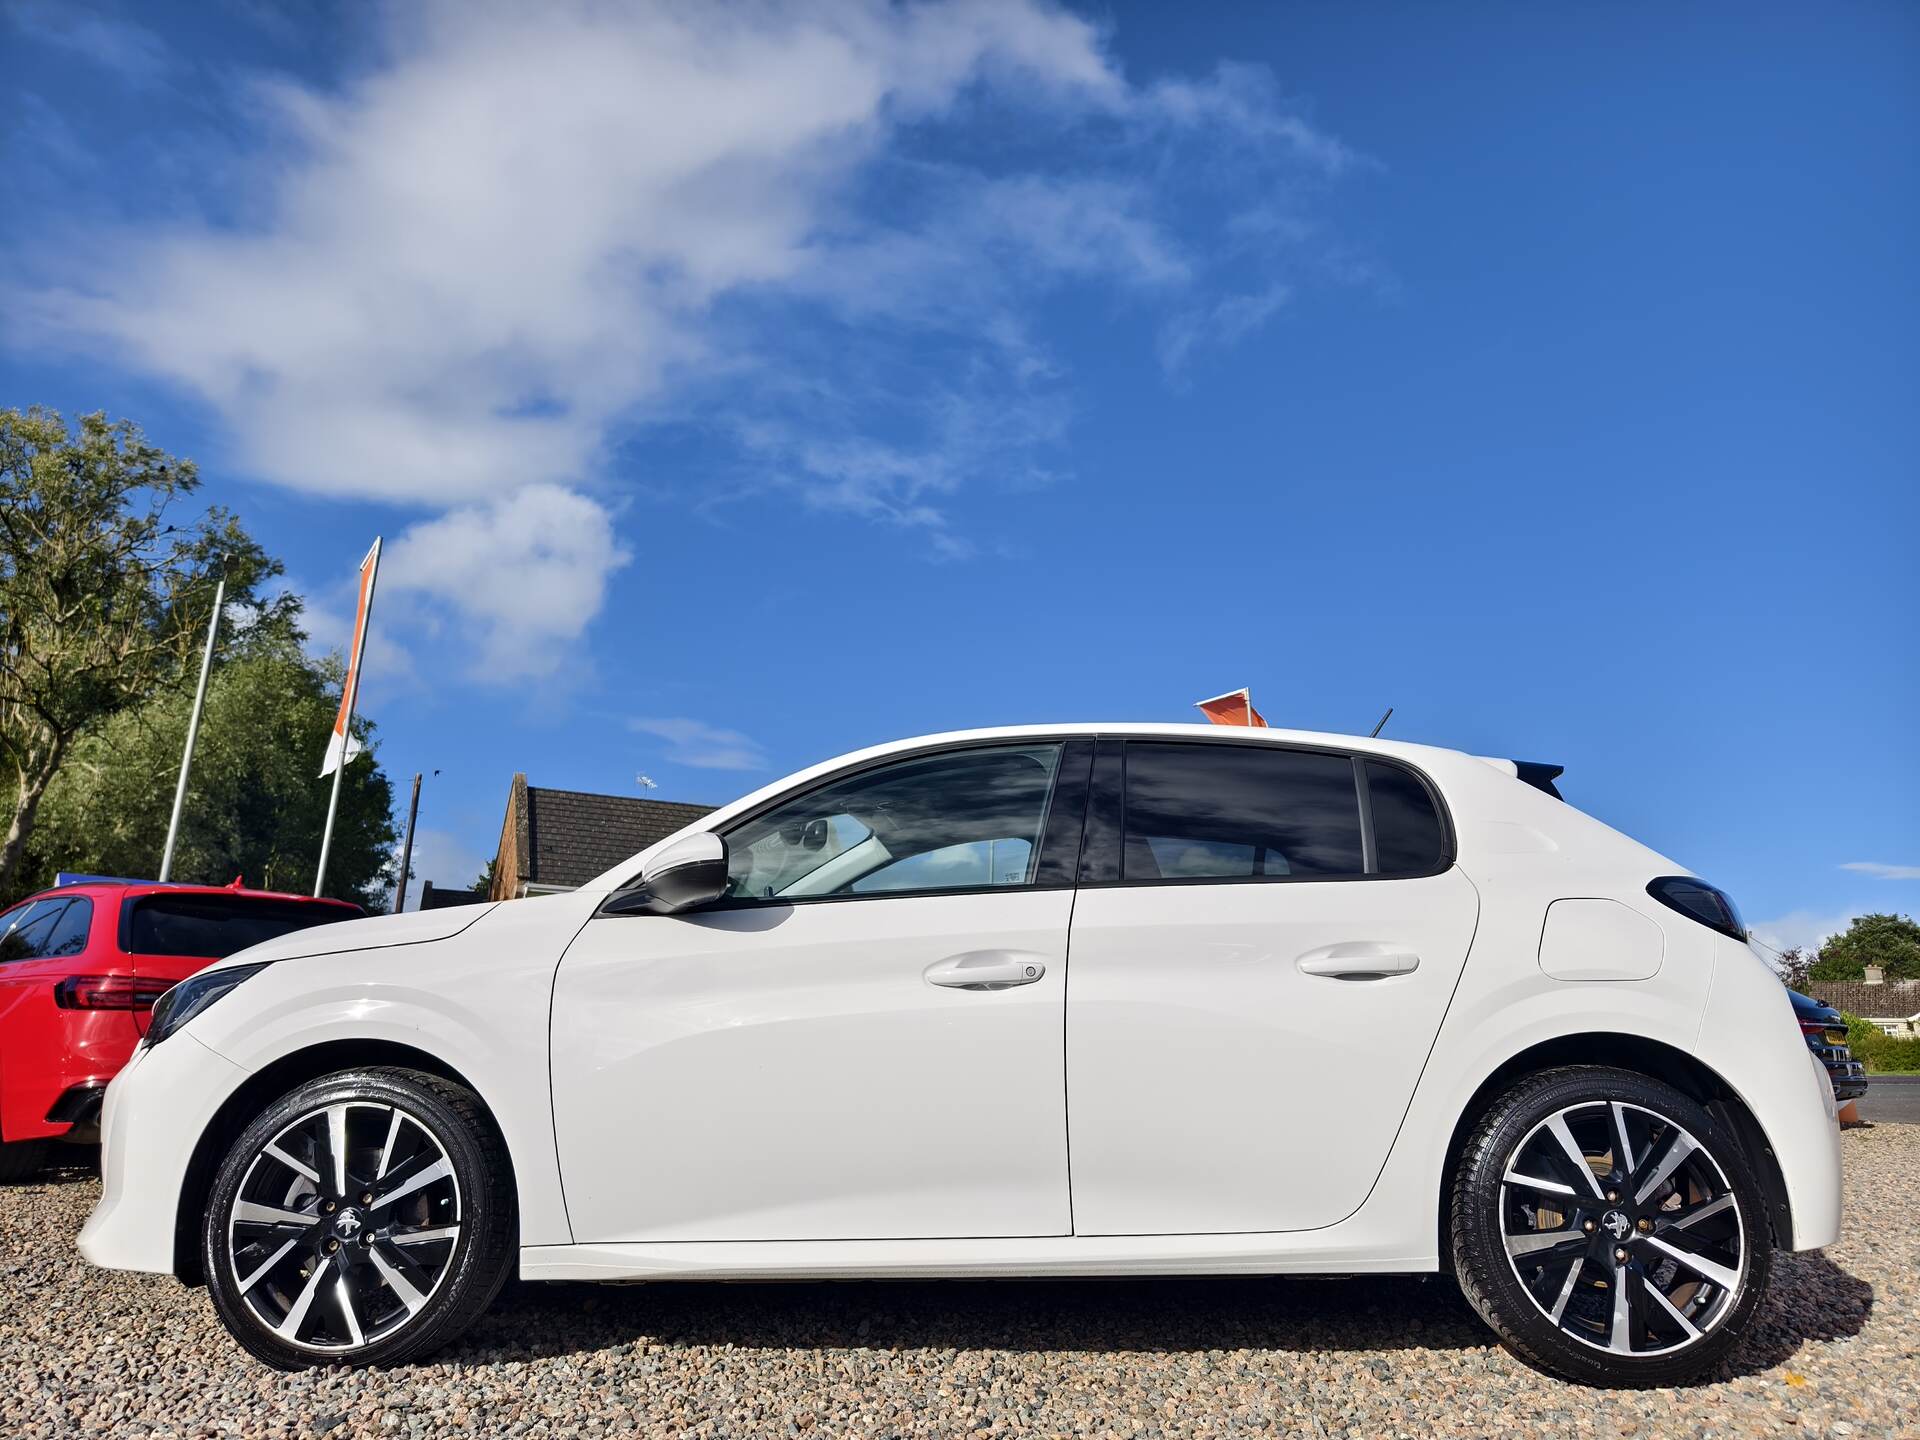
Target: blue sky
[735,388]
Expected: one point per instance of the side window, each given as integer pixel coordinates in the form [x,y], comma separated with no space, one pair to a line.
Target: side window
[1407,835]
[1211,811]
[52,928]
[962,820]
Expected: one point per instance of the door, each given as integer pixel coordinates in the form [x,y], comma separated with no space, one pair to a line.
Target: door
[863,1041]
[1262,954]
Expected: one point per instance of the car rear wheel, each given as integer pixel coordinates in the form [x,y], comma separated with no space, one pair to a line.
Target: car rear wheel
[1608,1229]
[365,1218]
[21,1160]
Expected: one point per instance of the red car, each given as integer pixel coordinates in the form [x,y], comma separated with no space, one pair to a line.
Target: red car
[80,968]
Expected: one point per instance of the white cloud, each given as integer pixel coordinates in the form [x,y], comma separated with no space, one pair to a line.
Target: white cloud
[1800,929]
[703,746]
[1883,871]
[524,571]
[462,272]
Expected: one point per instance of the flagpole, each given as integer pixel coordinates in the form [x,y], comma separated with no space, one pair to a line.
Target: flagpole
[346,740]
[193,729]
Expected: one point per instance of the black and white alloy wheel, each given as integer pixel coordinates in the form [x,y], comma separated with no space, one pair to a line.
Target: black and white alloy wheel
[363,1218]
[1608,1230]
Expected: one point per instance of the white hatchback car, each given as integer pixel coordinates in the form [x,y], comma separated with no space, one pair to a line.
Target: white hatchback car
[1067,1000]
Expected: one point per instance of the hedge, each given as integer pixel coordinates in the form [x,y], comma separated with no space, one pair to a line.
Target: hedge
[1881,1053]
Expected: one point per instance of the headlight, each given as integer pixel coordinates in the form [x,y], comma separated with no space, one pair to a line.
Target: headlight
[192,995]
[1697,900]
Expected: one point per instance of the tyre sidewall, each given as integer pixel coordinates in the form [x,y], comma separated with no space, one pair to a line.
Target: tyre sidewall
[1479,1247]
[481,1254]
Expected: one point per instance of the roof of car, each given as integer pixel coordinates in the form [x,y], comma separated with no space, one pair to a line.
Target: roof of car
[106,884]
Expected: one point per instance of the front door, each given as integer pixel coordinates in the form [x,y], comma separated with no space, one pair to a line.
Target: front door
[864,1041]
[1260,965]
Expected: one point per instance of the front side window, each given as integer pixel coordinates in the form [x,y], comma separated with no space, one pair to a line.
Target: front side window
[967,819]
[1238,812]
[47,929]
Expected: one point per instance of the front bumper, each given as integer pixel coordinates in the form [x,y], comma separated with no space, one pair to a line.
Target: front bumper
[155,1112]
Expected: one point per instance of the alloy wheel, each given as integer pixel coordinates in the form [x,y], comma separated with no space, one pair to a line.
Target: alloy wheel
[1622,1228]
[344,1226]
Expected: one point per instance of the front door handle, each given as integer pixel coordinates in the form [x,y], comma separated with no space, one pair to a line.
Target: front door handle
[986,970]
[1359,960]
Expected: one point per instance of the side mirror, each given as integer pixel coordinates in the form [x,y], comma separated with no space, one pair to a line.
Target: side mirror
[690,872]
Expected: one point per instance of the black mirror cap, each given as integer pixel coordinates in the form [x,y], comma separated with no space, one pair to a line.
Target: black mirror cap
[1697,900]
[682,887]
[689,873]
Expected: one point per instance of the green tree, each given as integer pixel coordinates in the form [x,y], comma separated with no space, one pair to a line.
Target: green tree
[1795,968]
[1889,941]
[256,804]
[101,594]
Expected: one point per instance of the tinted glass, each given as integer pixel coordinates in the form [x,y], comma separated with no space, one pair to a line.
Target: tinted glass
[212,927]
[1236,811]
[1407,836]
[962,820]
[47,929]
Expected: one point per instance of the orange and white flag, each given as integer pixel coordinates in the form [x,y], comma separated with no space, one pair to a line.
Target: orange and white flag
[1233,708]
[341,746]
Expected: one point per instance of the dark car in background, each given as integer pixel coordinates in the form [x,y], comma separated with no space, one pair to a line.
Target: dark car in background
[80,967]
[1826,1032]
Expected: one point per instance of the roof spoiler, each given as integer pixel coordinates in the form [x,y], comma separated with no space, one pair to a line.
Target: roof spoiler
[1530,772]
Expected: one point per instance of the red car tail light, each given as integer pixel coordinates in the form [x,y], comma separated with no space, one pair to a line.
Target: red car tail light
[108,992]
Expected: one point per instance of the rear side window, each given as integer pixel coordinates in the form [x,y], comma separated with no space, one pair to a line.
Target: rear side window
[212,927]
[1407,835]
[46,929]
[1238,812]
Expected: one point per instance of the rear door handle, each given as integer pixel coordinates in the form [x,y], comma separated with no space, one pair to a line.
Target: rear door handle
[986,970]
[1359,960]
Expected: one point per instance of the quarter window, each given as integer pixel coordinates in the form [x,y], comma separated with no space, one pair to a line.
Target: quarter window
[48,929]
[968,819]
[1238,812]
[1407,838]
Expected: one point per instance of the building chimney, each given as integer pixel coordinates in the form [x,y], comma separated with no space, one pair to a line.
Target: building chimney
[1876,975]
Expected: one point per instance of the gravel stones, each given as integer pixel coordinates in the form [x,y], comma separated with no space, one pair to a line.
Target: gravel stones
[1836,1352]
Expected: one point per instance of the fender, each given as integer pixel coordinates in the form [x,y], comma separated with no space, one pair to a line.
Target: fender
[479,1009]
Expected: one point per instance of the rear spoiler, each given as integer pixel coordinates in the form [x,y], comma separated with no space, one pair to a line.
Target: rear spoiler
[1530,772]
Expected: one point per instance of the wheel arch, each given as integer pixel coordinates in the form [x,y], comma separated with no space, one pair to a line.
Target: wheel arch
[261,1088]
[1686,1073]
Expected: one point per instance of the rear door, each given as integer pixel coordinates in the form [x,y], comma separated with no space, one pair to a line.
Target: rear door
[1263,946]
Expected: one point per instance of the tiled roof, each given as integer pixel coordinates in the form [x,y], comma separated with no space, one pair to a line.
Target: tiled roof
[1895,1000]
[573,836]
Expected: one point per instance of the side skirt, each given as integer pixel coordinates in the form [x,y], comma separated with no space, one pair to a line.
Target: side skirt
[1297,1253]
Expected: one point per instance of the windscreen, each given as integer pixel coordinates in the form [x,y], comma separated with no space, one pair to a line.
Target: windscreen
[212,927]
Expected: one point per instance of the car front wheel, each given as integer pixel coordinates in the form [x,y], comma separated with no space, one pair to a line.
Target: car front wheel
[1608,1229]
[365,1218]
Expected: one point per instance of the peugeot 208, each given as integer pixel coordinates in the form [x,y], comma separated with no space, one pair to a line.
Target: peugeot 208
[1048,1001]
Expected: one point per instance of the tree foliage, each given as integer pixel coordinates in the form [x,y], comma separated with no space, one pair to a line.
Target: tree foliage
[1889,941]
[1795,967]
[256,805]
[102,594]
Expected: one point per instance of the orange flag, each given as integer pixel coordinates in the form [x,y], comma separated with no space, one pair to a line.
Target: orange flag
[1233,708]
[341,746]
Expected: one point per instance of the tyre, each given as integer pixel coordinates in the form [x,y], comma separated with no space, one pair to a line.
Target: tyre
[1608,1230]
[366,1218]
[21,1160]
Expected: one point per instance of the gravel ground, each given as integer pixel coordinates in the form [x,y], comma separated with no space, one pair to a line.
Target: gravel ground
[1837,1352]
